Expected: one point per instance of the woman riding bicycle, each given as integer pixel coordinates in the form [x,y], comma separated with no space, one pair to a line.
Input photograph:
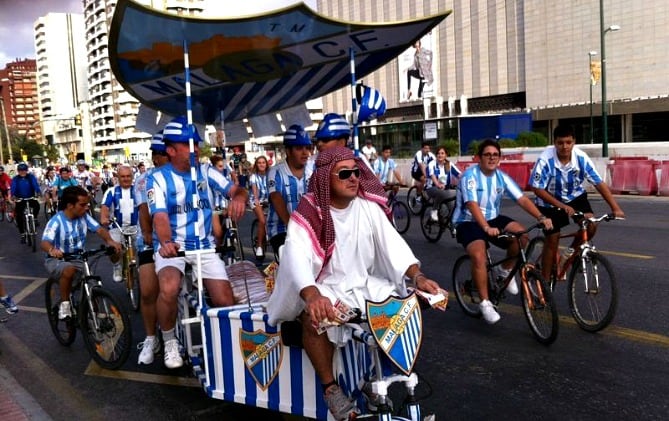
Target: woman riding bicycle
[47,184]
[478,220]
[259,196]
[442,177]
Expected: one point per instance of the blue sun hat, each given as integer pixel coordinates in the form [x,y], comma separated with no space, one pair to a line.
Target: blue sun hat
[178,131]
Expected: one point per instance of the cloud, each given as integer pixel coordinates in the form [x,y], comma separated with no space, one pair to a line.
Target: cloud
[17,20]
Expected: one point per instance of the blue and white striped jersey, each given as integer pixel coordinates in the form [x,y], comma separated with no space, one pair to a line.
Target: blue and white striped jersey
[421,158]
[564,182]
[487,191]
[281,180]
[169,191]
[383,169]
[123,203]
[260,181]
[69,235]
[439,171]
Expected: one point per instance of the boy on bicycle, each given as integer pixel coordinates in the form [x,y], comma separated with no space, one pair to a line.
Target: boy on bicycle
[557,180]
[478,220]
[66,233]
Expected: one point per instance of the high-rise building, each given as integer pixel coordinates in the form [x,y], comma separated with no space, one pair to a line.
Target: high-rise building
[62,85]
[18,88]
[531,56]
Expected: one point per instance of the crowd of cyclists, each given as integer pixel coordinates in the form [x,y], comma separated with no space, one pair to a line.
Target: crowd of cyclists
[160,202]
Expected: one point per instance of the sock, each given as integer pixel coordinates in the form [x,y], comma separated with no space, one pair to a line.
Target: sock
[168,335]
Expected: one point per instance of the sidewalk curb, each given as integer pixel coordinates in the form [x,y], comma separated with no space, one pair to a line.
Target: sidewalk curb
[15,402]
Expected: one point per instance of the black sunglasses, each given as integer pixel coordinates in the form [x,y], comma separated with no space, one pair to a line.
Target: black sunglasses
[345,174]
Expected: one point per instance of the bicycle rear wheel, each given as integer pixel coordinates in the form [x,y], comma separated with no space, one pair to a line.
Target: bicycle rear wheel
[414,201]
[401,216]
[539,308]
[463,285]
[432,230]
[64,330]
[108,344]
[593,292]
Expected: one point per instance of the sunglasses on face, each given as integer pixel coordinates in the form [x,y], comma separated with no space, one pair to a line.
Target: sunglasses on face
[345,174]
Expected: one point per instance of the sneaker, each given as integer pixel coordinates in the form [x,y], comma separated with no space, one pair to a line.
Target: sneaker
[118,272]
[23,238]
[260,253]
[340,406]
[434,216]
[172,355]
[419,200]
[512,288]
[10,305]
[149,348]
[489,313]
[373,399]
[566,254]
[64,312]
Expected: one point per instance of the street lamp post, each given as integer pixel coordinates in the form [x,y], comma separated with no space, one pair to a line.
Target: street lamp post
[4,123]
[591,54]
[603,31]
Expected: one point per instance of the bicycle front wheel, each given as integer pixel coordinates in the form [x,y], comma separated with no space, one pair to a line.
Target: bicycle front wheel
[414,201]
[64,330]
[593,293]
[401,216]
[465,291]
[109,343]
[539,308]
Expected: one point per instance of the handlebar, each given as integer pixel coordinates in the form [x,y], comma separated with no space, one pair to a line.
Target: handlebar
[21,199]
[580,216]
[217,249]
[509,234]
[85,254]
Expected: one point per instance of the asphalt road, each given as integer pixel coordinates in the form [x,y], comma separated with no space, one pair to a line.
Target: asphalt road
[468,369]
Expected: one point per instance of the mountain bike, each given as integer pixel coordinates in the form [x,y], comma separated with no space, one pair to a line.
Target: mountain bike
[433,230]
[536,297]
[130,264]
[29,221]
[97,312]
[591,281]
[399,210]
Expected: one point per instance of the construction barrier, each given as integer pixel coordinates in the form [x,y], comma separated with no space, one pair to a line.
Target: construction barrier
[519,171]
[633,176]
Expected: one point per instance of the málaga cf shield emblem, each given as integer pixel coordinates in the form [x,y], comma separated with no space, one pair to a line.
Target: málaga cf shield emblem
[262,354]
[397,326]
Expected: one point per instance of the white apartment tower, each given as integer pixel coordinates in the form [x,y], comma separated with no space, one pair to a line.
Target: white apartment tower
[61,81]
[113,111]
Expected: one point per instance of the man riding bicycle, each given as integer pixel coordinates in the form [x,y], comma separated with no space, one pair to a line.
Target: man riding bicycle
[66,233]
[386,170]
[5,182]
[478,220]
[557,180]
[26,187]
[63,181]
[419,167]
[340,245]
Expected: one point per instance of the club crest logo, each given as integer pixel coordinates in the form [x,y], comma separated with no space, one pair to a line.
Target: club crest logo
[397,326]
[262,354]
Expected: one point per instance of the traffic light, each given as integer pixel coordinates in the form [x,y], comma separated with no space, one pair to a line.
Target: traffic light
[77,120]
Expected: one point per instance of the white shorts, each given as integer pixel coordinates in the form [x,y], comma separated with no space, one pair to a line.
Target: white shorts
[212,265]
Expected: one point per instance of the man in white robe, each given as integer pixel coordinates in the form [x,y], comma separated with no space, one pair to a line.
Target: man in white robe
[340,245]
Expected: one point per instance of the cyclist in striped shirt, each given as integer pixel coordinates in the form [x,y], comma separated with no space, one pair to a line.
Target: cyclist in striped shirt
[178,223]
[66,233]
[477,218]
[558,179]
[286,184]
[120,200]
